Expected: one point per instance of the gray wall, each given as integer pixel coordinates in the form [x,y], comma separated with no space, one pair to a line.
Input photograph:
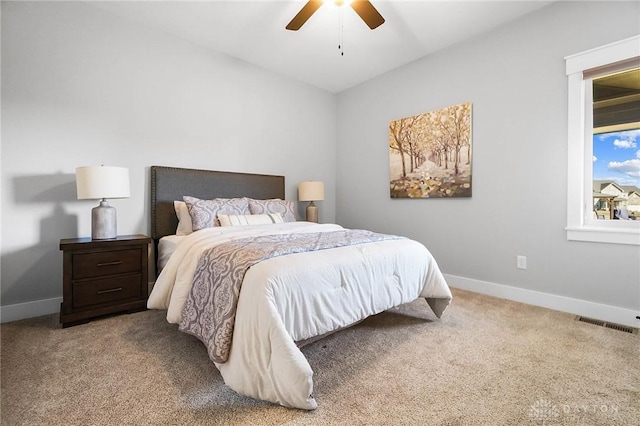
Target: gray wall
[515,78]
[83,87]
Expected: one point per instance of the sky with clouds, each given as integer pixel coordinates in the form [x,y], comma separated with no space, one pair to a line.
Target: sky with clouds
[616,157]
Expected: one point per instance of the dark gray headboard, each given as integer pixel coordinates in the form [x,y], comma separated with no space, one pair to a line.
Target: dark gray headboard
[172,183]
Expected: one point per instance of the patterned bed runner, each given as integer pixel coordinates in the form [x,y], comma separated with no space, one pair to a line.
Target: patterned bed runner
[210,310]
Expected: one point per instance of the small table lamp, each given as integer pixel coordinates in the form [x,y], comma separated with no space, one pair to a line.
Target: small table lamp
[100,183]
[311,191]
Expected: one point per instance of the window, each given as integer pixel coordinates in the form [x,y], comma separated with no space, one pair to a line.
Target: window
[616,133]
[604,131]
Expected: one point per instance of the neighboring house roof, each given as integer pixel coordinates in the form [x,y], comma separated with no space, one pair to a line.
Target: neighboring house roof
[600,185]
[629,189]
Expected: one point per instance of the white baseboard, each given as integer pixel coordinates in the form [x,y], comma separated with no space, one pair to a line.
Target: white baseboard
[584,308]
[37,308]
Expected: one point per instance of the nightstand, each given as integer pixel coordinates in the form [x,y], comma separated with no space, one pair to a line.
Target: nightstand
[102,277]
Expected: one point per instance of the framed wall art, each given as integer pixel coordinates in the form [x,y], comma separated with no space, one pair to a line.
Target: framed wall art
[430,154]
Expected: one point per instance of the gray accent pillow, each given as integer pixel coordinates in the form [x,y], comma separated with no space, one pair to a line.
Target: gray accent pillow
[285,208]
[204,213]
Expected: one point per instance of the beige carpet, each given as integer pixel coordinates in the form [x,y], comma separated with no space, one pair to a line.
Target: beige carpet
[487,362]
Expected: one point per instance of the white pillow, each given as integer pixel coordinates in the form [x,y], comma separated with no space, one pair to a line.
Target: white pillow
[185,227]
[249,219]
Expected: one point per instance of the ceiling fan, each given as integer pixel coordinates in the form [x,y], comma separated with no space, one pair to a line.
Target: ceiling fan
[363,8]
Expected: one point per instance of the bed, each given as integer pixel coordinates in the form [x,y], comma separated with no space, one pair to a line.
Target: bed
[255,293]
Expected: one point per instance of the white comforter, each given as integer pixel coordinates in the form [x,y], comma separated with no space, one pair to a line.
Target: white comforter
[295,297]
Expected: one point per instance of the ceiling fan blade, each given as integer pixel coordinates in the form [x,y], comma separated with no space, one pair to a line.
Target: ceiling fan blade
[304,14]
[368,13]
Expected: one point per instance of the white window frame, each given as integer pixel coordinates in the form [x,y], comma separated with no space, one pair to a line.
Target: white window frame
[581,226]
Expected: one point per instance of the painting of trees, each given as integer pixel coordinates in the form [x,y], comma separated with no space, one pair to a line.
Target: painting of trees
[430,154]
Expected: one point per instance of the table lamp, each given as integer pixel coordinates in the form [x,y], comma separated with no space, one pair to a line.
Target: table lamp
[311,191]
[100,183]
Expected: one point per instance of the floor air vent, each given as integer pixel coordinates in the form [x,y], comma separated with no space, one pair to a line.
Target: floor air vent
[610,325]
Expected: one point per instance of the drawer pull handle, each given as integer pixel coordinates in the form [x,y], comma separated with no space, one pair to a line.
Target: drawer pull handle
[117,262]
[111,290]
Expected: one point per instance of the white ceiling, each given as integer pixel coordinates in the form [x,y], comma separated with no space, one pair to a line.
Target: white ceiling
[254,32]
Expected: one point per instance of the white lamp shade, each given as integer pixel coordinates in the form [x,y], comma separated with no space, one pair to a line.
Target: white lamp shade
[311,191]
[98,182]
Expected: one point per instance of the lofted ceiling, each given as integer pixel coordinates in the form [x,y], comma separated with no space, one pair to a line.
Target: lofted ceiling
[254,31]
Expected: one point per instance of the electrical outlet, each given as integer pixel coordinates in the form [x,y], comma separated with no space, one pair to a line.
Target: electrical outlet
[521,262]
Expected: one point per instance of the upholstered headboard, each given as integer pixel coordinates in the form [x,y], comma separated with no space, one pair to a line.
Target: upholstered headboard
[172,183]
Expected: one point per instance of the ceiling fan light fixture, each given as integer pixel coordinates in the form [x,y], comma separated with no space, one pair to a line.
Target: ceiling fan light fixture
[367,12]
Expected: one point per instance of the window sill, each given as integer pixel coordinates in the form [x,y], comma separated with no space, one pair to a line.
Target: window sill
[629,236]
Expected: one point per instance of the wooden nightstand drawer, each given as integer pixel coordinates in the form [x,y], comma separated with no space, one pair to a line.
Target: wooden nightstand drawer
[94,292]
[99,264]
